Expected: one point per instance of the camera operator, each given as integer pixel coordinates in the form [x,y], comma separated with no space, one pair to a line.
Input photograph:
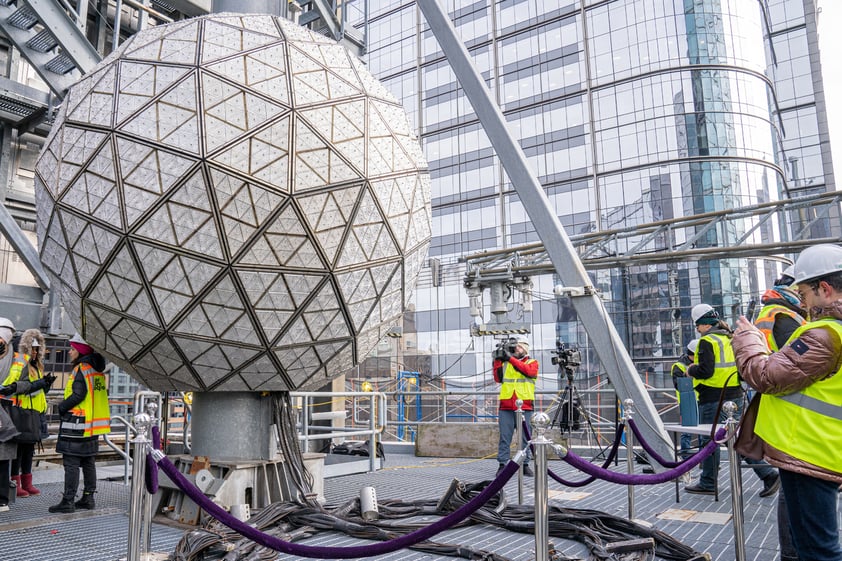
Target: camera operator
[517,373]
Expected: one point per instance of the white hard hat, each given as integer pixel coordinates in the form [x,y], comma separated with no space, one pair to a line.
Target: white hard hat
[77,339]
[817,261]
[787,277]
[523,342]
[692,346]
[7,323]
[701,310]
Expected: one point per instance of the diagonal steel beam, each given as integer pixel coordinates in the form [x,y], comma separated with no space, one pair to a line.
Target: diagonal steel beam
[23,247]
[588,306]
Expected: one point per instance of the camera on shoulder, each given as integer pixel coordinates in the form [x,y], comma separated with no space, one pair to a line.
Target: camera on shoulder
[504,347]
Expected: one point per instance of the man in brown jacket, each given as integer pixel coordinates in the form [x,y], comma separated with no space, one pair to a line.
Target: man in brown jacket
[797,423]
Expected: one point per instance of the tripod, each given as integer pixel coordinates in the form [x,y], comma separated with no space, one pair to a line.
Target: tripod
[567,415]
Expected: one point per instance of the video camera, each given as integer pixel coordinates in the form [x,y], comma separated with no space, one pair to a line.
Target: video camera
[507,345]
[566,357]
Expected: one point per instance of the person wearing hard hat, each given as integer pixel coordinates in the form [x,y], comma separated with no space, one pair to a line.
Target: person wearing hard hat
[715,373]
[782,313]
[679,370]
[797,423]
[28,365]
[516,373]
[84,416]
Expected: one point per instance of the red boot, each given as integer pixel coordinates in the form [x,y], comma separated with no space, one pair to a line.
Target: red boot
[26,483]
[21,492]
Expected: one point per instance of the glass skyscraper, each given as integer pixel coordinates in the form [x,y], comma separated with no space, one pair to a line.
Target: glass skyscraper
[630,112]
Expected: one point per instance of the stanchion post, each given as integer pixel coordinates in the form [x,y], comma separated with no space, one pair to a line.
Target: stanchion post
[152,411]
[519,440]
[140,443]
[628,406]
[540,442]
[730,409]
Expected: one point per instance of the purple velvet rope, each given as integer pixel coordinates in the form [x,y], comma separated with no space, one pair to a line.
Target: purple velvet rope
[321,552]
[605,464]
[151,478]
[627,479]
[649,450]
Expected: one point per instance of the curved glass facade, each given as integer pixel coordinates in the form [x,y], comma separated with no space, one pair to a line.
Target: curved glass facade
[630,112]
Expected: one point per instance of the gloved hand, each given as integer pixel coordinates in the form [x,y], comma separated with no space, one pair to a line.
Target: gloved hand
[11,389]
[505,355]
[49,379]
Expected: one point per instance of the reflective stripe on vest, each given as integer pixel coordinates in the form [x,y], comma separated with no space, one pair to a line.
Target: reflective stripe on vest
[91,417]
[683,367]
[765,322]
[725,364]
[515,380]
[807,424]
[36,400]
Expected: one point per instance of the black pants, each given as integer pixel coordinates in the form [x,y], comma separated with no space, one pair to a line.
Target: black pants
[71,474]
[4,481]
[23,463]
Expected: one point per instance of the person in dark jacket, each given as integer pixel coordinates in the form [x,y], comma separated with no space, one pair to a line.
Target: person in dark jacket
[84,416]
[715,372]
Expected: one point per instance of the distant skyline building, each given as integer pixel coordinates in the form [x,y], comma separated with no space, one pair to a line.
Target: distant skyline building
[630,111]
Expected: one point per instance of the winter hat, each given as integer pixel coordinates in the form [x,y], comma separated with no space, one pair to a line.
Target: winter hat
[80,345]
[7,330]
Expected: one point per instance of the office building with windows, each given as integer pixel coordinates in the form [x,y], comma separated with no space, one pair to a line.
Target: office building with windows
[630,112]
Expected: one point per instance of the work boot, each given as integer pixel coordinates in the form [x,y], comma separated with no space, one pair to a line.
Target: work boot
[26,483]
[86,502]
[20,491]
[65,506]
[527,471]
[770,486]
[699,490]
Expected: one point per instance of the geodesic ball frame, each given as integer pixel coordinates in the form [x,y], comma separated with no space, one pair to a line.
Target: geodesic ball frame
[232,203]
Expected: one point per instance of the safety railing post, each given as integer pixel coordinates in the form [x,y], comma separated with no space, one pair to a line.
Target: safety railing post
[730,409]
[142,422]
[540,442]
[372,425]
[628,406]
[152,411]
[519,437]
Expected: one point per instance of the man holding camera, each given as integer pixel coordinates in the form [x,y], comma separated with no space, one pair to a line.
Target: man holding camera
[517,373]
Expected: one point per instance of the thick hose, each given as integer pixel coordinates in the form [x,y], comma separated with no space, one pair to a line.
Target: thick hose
[317,552]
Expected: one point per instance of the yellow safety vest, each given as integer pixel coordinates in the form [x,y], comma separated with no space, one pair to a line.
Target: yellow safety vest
[683,367]
[765,322]
[725,365]
[92,416]
[807,424]
[36,400]
[513,380]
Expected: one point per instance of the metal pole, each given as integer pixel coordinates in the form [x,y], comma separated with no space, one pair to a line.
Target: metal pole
[628,405]
[152,411]
[540,423]
[519,436]
[372,449]
[560,250]
[730,409]
[142,422]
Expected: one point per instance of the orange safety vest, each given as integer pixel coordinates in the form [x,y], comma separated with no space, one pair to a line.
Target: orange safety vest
[765,322]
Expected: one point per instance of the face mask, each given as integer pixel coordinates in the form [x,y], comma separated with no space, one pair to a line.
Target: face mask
[3,348]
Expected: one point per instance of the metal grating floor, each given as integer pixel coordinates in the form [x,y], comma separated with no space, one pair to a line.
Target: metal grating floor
[30,533]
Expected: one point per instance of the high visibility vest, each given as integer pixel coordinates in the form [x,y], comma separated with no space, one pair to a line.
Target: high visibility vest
[92,416]
[725,365]
[765,322]
[515,380]
[36,400]
[683,367]
[807,424]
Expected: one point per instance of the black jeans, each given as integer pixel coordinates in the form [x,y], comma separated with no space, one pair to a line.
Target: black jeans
[71,474]
[23,463]
[4,481]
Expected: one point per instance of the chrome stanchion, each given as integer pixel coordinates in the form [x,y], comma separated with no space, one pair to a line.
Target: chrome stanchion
[730,409]
[140,442]
[519,440]
[540,424]
[152,411]
[628,406]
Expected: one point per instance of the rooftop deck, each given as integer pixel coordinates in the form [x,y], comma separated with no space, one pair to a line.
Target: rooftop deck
[30,533]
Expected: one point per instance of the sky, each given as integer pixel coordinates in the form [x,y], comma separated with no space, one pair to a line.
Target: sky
[830,46]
